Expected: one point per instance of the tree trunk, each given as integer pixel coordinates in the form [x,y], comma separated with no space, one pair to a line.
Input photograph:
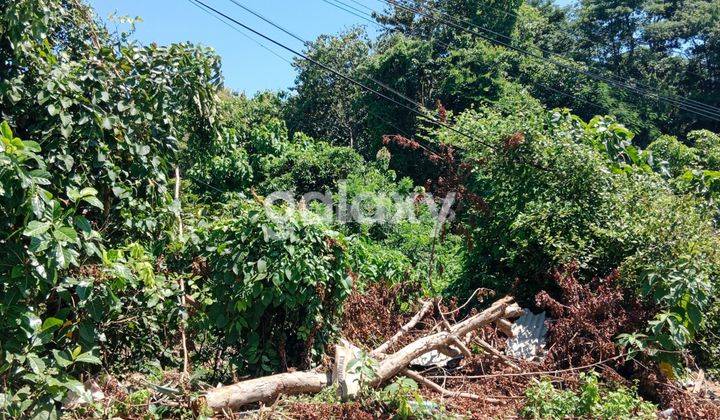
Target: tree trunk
[267,389]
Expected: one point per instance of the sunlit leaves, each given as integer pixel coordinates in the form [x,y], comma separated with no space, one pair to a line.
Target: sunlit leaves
[294,274]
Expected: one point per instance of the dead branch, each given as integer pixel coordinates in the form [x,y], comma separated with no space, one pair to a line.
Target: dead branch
[404,330]
[506,327]
[269,388]
[445,393]
[496,353]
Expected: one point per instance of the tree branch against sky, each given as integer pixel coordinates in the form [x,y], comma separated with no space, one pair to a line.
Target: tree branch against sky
[246,66]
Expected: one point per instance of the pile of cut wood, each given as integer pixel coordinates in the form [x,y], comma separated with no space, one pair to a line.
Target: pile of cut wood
[450,340]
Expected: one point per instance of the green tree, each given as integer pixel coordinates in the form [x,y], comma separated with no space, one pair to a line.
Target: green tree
[77,90]
[326,106]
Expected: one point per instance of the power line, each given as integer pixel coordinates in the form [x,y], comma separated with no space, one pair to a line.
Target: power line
[687,107]
[562,92]
[594,39]
[391,124]
[260,44]
[293,35]
[347,78]
[485,6]
[355,12]
[268,21]
[337,3]
[308,44]
[686,104]
[446,46]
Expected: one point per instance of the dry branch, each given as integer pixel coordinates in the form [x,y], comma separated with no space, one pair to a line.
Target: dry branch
[506,327]
[445,393]
[403,330]
[269,388]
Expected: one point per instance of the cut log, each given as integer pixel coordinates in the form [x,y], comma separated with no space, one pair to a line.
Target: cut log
[267,389]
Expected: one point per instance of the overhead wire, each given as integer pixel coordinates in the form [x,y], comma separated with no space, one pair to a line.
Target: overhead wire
[298,38]
[444,45]
[487,6]
[593,38]
[284,58]
[702,111]
[643,87]
[260,44]
[309,44]
[345,77]
[402,131]
[352,10]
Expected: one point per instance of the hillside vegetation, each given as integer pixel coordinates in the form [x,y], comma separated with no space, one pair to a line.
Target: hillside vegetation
[157,236]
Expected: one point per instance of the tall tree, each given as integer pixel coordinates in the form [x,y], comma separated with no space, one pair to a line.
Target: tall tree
[326,106]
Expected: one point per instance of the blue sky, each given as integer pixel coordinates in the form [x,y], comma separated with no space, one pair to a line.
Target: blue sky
[246,66]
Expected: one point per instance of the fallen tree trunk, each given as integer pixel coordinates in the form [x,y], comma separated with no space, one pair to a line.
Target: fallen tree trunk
[394,363]
[267,389]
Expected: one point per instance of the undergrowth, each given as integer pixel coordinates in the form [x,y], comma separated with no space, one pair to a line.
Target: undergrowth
[591,400]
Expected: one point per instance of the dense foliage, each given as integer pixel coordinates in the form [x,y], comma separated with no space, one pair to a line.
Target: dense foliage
[139,226]
[565,191]
[275,290]
[591,400]
[646,57]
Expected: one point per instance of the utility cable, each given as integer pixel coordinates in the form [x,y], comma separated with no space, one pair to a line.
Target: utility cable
[517,15]
[343,76]
[309,44]
[446,46]
[703,112]
[260,44]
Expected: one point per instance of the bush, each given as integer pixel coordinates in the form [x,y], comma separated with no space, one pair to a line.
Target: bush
[43,236]
[59,312]
[130,309]
[708,145]
[553,198]
[672,157]
[591,400]
[308,165]
[110,114]
[275,289]
[225,168]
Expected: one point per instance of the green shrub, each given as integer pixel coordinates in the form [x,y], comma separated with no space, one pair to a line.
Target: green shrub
[275,289]
[110,113]
[59,311]
[43,236]
[672,157]
[402,248]
[224,168]
[707,144]
[308,165]
[591,400]
[556,197]
[404,400]
[130,308]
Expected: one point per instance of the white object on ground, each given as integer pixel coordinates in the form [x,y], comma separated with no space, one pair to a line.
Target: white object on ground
[529,341]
